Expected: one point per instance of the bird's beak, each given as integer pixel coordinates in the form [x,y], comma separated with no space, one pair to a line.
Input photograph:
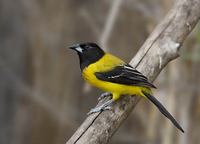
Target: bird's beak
[76,47]
[73,47]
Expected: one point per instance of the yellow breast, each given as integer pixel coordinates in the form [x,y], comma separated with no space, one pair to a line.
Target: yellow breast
[106,63]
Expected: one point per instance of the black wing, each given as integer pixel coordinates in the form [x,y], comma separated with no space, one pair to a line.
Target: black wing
[124,74]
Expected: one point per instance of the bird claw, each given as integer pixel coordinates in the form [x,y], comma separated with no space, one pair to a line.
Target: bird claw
[104,95]
[104,106]
[94,110]
[108,108]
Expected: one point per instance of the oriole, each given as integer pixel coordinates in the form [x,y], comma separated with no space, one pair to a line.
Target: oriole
[115,77]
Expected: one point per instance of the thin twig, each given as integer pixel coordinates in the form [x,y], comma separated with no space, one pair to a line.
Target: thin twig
[109,25]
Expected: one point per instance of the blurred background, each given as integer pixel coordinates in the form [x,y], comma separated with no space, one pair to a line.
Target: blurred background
[43,99]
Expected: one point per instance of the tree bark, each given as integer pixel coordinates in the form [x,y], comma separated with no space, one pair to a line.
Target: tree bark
[160,48]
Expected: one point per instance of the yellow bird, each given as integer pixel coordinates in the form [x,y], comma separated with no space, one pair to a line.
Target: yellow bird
[115,77]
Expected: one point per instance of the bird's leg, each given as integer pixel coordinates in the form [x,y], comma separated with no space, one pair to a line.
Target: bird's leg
[104,95]
[104,106]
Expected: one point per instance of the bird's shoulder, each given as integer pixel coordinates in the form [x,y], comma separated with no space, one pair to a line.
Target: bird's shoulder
[109,62]
[106,63]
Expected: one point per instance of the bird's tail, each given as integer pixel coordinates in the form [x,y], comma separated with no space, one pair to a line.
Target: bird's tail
[163,110]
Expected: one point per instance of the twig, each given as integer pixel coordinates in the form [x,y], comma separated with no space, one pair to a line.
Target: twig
[34,95]
[110,21]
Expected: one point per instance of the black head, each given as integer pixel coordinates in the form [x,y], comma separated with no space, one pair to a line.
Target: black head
[88,53]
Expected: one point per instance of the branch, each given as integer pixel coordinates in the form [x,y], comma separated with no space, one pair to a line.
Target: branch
[160,48]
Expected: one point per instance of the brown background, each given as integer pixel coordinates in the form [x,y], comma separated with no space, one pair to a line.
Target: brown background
[43,98]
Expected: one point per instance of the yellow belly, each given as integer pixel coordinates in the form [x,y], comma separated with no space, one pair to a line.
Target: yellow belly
[113,87]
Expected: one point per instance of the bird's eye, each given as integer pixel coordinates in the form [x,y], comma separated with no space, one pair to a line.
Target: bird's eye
[87,47]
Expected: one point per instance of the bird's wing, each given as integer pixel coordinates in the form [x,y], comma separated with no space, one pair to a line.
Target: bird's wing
[124,74]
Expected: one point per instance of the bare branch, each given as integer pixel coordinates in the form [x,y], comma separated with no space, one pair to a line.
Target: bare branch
[161,47]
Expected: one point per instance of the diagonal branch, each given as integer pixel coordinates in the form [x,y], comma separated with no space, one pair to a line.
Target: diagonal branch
[160,48]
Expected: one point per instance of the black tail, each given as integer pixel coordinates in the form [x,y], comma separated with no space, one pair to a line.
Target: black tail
[163,110]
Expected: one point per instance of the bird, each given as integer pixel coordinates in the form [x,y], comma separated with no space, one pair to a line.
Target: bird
[115,77]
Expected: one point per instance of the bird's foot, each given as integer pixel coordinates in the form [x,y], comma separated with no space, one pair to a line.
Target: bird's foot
[105,106]
[104,95]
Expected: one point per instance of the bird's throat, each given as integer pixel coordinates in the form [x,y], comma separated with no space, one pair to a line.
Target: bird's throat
[86,60]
